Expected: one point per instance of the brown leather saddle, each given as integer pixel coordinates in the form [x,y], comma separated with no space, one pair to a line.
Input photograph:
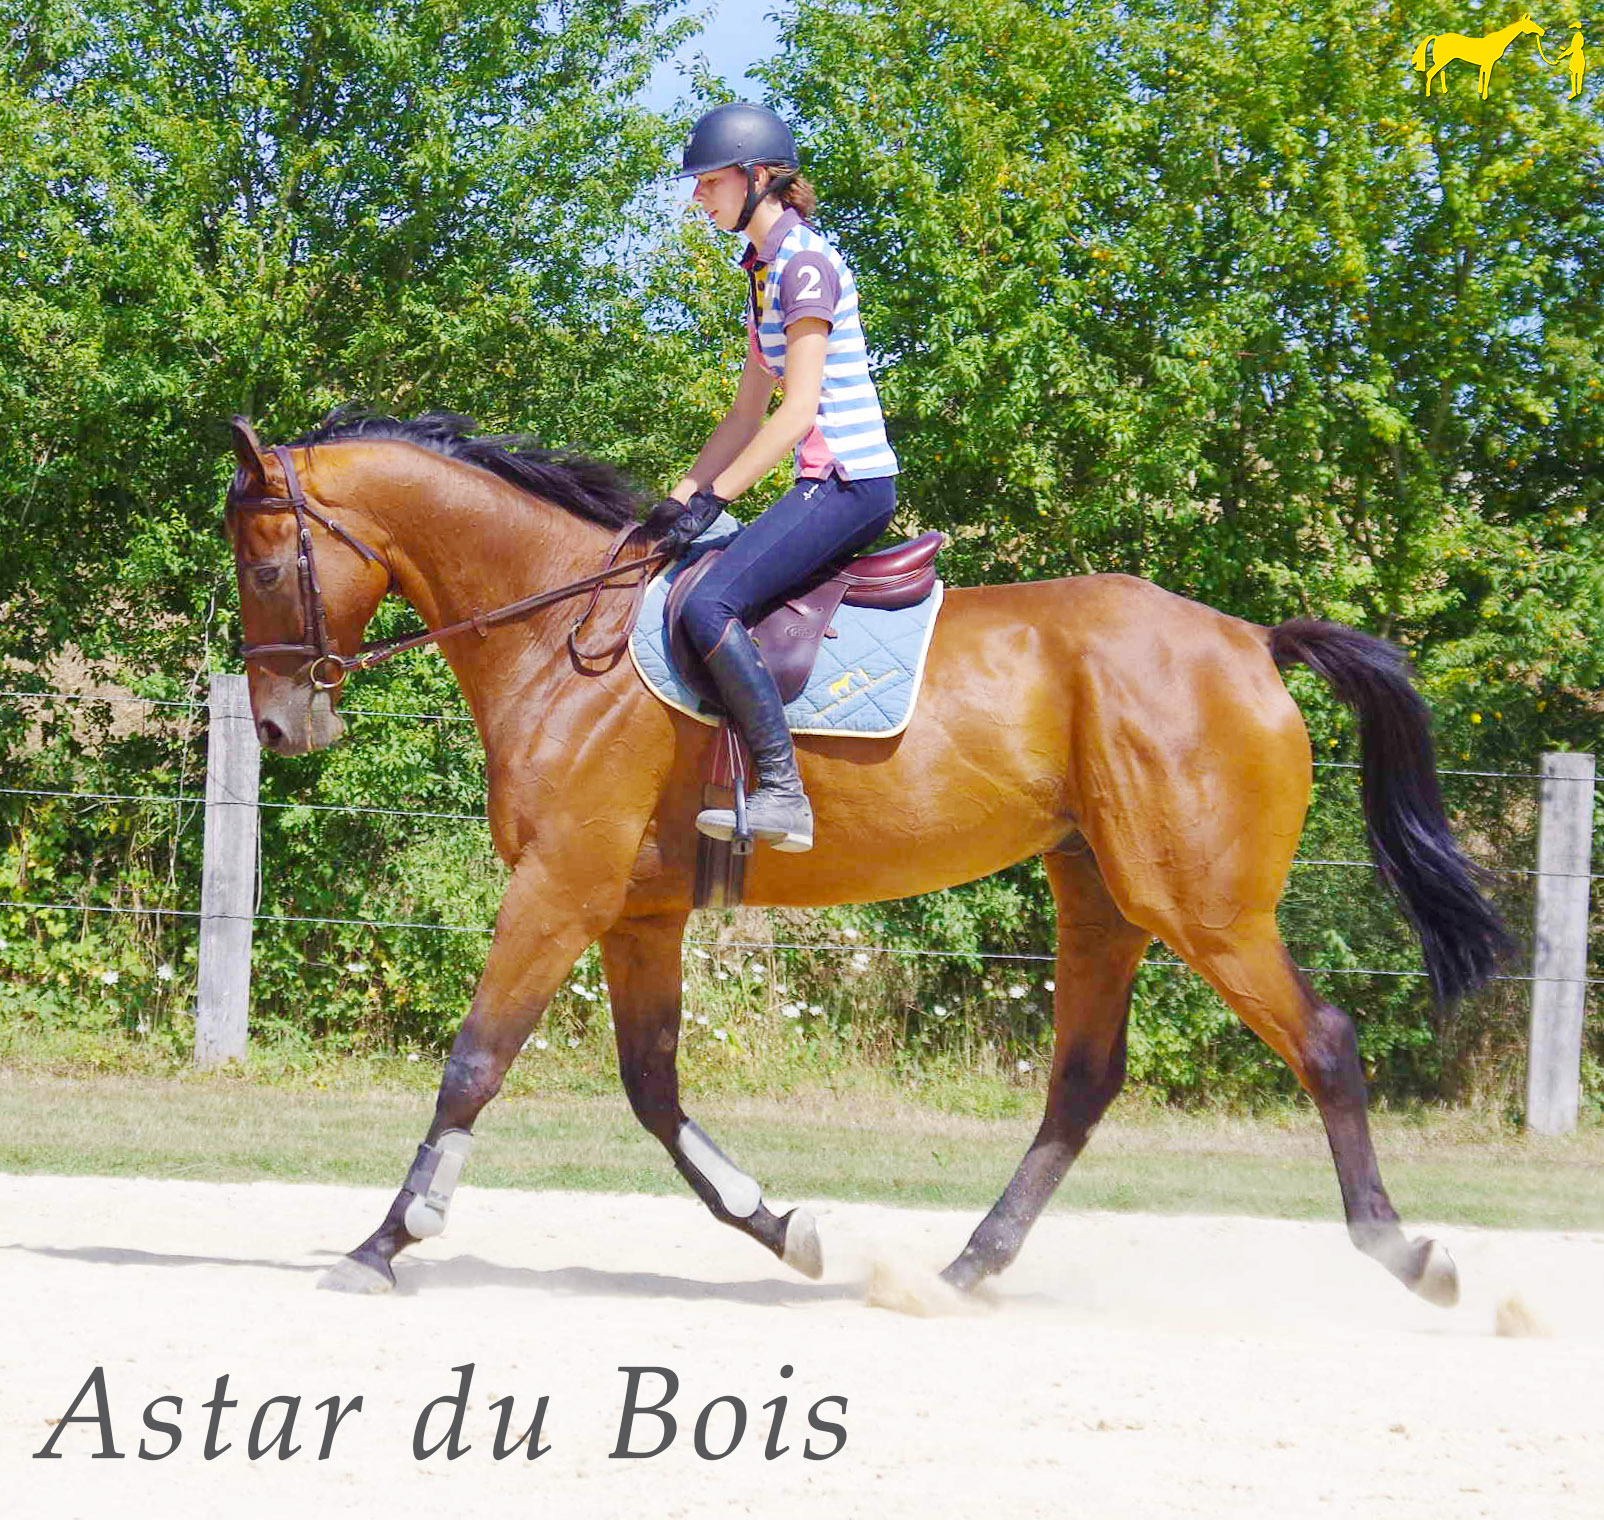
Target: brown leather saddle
[788,635]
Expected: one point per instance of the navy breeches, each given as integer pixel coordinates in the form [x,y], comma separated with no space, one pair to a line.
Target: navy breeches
[814,525]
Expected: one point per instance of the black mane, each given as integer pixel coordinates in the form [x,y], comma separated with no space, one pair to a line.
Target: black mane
[582,486]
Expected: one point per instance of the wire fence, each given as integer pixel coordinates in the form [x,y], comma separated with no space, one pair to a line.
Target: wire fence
[758,946]
[192,801]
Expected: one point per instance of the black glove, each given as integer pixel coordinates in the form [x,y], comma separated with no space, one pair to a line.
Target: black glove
[698,515]
[662,517]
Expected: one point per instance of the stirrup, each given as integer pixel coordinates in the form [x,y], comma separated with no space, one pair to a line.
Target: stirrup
[772,817]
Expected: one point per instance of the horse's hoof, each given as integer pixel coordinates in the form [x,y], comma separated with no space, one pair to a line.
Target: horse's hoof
[962,1275]
[1438,1282]
[802,1252]
[348,1275]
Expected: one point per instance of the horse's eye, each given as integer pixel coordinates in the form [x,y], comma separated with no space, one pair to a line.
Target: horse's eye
[266,576]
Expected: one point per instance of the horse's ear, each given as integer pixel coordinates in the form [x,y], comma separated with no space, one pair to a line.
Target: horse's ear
[248,451]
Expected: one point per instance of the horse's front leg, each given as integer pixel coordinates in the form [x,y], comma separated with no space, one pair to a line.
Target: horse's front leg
[642,960]
[544,925]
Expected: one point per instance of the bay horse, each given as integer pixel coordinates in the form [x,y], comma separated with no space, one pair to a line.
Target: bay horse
[1143,745]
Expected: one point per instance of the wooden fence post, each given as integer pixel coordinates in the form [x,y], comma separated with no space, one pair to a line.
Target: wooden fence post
[228,875]
[1559,944]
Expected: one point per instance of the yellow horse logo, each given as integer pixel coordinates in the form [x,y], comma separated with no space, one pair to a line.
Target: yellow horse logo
[1484,52]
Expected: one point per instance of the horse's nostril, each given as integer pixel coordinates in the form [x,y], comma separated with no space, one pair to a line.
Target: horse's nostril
[269,733]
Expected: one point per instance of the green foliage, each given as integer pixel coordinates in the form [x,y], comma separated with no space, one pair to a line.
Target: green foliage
[267,208]
[1220,298]
[1215,297]
[263,208]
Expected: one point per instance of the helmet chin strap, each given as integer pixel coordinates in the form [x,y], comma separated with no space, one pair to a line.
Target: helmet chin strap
[778,184]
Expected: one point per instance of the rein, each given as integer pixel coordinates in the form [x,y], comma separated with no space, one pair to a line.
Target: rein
[322,657]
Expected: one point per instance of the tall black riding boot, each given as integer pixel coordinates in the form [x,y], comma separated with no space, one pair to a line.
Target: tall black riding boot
[777,812]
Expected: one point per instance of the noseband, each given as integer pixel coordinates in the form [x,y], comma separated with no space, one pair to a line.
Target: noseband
[325,668]
[314,643]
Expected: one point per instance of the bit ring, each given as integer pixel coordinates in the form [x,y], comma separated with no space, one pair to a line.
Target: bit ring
[316,665]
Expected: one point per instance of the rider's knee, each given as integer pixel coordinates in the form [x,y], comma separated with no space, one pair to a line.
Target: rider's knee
[704,619]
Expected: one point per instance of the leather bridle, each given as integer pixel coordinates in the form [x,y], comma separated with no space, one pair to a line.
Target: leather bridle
[325,668]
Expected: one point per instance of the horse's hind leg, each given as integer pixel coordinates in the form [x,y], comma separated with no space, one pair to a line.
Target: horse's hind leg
[642,960]
[1249,967]
[1098,953]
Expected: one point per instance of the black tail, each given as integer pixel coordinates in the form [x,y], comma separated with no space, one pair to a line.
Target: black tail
[1461,934]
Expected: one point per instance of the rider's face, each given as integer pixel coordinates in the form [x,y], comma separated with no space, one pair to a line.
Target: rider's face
[721,194]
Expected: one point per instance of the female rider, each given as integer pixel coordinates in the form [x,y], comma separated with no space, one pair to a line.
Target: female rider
[804,335]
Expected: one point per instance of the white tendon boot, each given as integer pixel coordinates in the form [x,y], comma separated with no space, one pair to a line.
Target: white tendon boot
[432,1181]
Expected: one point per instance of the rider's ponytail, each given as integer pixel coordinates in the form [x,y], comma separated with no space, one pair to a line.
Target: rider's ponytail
[800,196]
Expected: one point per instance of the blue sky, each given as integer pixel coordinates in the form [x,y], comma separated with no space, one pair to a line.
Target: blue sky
[739,34]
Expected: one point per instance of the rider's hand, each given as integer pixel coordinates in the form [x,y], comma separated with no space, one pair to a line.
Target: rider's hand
[697,516]
[663,516]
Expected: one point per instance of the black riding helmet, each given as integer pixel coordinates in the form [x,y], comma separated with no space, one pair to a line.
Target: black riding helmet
[742,135]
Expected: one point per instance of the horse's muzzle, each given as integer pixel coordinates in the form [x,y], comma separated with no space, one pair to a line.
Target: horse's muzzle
[297,719]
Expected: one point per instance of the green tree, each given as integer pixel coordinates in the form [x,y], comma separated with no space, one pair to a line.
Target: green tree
[1220,298]
[210,206]
[1215,296]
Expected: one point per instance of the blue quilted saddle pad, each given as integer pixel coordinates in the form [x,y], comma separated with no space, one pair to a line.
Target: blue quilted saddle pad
[865,680]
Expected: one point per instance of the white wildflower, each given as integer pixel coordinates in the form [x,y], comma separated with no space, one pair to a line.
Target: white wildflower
[540,1043]
[1051,986]
[849,933]
[165,973]
[700,953]
[573,1044]
[721,976]
[1016,991]
[815,1008]
[792,1010]
[109,978]
[718,1034]
[412,1055]
[940,1010]
[1023,1067]
[701,1019]
[860,962]
[757,973]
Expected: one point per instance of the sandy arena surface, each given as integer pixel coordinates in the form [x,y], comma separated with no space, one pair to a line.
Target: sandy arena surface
[1128,1366]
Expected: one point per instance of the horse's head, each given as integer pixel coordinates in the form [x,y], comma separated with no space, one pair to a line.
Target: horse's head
[307,588]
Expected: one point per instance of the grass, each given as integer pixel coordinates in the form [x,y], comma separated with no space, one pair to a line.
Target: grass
[360,1121]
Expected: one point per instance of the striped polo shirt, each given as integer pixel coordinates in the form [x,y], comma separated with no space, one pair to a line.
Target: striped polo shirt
[797,273]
